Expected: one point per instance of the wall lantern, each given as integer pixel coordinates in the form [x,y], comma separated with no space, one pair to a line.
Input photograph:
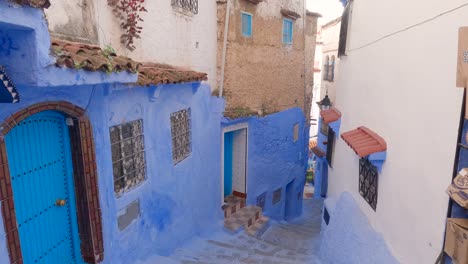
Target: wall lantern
[325,104]
[8,92]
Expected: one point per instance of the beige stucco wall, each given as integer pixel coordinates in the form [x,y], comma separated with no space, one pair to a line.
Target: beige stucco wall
[261,73]
[73,20]
[168,36]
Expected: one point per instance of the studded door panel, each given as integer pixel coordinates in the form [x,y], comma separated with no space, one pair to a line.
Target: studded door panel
[41,172]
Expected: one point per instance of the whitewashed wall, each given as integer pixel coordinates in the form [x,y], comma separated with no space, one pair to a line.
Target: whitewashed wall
[168,36]
[331,37]
[403,88]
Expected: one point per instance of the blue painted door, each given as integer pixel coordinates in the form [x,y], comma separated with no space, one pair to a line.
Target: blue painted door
[41,170]
[228,155]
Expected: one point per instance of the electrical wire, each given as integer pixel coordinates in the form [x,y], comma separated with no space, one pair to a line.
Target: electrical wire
[410,27]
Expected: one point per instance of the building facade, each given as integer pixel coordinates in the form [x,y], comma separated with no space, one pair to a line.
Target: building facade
[183,33]
[382,160]
[326,67]
[330,61]
[265,73]
[104,159]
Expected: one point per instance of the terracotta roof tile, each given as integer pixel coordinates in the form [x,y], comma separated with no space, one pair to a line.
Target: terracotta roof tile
[34,3]
[330,115]
[313,146]
[364,141]
[93,58]
[153,73]
[312,143]
[90,57]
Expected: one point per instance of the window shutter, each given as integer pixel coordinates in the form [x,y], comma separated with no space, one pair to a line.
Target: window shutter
[344,31]
[330,145]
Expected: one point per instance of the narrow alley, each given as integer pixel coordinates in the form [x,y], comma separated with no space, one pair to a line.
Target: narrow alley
[233,132]
[295,242]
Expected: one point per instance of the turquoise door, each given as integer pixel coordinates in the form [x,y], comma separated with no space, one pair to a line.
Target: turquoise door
[228,153]
[41,171]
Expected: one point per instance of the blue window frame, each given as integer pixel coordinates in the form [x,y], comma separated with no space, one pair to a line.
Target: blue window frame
[287,31]
[246,24]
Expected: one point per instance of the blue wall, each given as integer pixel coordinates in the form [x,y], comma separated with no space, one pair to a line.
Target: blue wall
[321,173]
[274,159]
[349,237]
[177,202]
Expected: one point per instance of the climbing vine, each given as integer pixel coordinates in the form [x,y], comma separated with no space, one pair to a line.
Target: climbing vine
[129,11]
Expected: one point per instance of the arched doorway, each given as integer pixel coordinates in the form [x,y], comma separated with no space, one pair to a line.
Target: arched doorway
[48,162]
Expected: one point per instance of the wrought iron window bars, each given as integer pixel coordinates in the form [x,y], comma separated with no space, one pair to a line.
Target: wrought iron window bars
[189,5]
[368,182]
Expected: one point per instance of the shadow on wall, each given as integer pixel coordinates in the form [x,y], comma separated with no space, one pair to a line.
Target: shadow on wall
[350,239]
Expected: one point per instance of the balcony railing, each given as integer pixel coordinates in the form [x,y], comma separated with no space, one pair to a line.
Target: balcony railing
[189,5]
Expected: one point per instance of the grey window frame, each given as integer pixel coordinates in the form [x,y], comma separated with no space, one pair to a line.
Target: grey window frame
[178,153]
[137,152]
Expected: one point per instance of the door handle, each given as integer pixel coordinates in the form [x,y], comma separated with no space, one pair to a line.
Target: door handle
[60,202]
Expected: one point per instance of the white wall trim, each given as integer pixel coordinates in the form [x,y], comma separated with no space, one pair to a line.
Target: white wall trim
[226,130]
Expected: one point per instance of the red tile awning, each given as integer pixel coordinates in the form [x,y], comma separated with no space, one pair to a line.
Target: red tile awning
[330,115]
[364,141]
[313,146]
[92,58]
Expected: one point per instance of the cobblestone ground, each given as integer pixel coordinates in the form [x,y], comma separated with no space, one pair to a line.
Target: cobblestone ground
[294,242]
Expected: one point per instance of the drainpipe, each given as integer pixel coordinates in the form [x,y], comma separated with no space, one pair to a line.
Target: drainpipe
[223,61]
[304,15]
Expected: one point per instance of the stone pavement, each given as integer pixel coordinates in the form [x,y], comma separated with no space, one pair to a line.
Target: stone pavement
[294,242]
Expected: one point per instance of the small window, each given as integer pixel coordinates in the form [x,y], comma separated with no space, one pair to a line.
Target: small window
[246,24]
[325,67]
[331,69]
[344,30]
[324,128]
[181,135]
[128,155]
[368,182]
[287,31]
[296,133]
[277,196]
[261,200]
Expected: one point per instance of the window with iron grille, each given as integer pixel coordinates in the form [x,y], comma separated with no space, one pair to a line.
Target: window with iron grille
[330,145]
[368,182]
[189,5]
[277,196]
[128,155]
[181,135]
[344,30]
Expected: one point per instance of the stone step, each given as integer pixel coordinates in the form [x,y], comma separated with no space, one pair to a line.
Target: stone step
[232,205]
[260,226]
[245,218]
